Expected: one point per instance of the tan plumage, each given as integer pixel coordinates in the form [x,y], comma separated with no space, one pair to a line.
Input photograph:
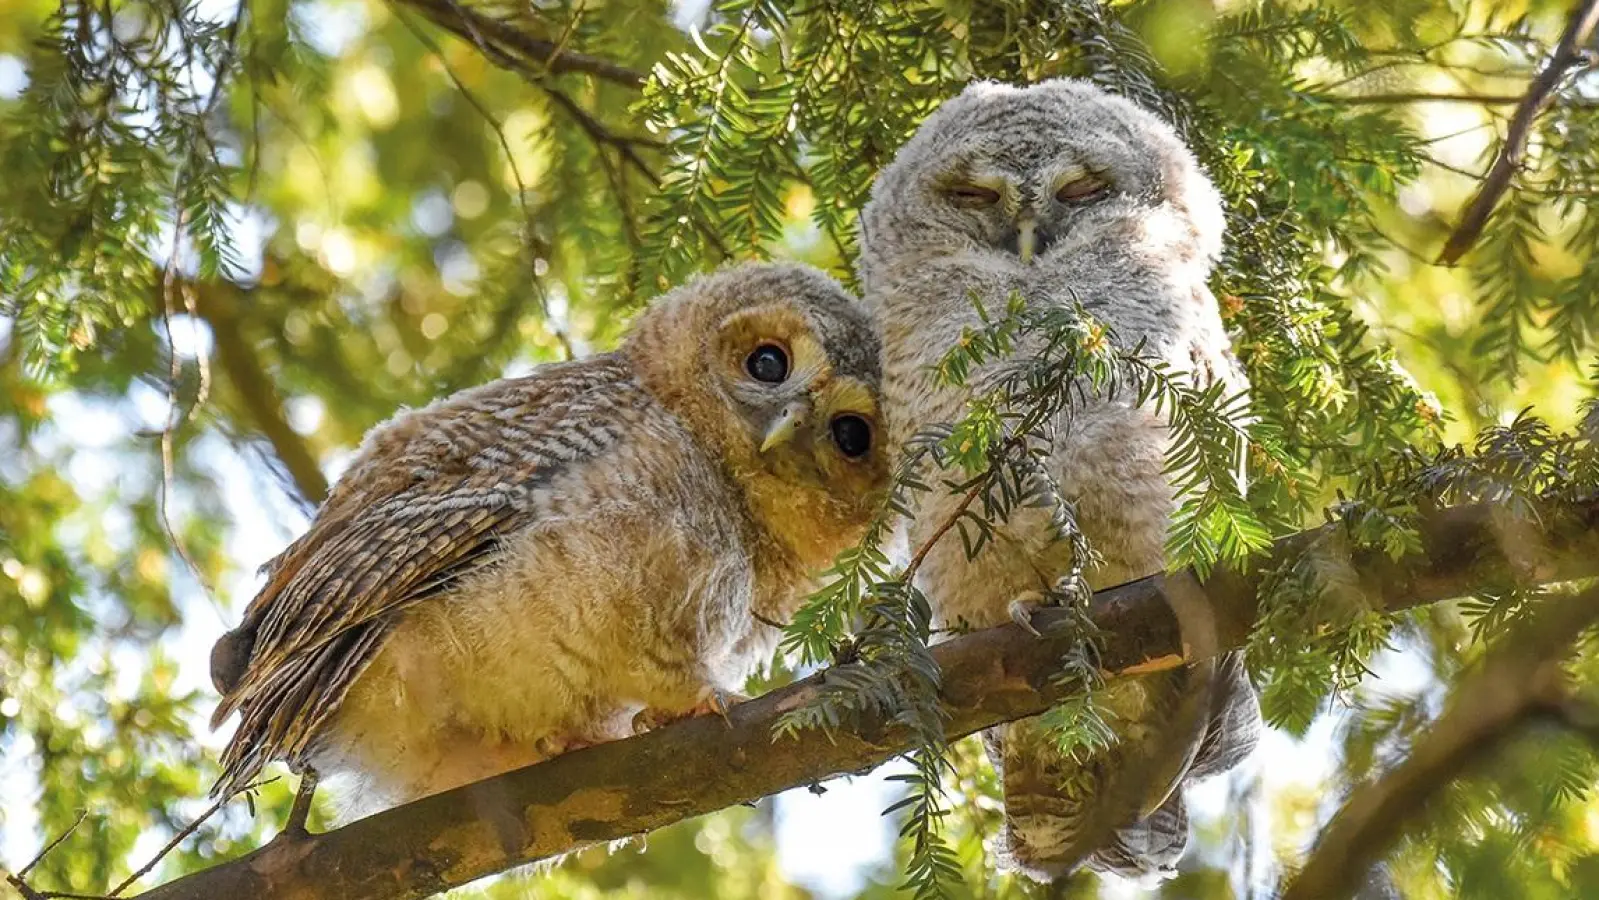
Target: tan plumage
[526,566]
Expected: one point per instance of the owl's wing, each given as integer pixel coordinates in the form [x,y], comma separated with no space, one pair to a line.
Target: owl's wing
[425,504]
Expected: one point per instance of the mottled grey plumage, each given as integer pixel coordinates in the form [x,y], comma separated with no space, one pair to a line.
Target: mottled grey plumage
[1058,192]
[528,566]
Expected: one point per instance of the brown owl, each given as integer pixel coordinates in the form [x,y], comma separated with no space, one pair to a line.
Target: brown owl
[540,562]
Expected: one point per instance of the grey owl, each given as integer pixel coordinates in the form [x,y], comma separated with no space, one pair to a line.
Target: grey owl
[1060,191]
[548,561]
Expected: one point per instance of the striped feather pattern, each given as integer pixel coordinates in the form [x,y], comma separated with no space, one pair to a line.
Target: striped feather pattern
[525,567]
[423,505]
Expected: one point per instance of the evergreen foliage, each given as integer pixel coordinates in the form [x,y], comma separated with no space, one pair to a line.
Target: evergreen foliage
[234,236]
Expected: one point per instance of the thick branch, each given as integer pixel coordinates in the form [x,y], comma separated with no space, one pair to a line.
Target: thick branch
[1569,54]
[256,393]
[508,43]
[1520,682]
[702,765]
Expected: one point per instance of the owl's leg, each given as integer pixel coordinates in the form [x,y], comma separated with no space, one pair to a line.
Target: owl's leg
[301,810]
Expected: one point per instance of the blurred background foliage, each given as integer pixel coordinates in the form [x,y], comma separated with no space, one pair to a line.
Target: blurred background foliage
[234,235]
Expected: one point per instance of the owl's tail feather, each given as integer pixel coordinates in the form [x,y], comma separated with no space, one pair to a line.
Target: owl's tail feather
[1234,726]
[1062,814]
[1149,850]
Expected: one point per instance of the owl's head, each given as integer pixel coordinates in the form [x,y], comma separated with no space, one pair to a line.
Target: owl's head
[1027,170]
[775,369]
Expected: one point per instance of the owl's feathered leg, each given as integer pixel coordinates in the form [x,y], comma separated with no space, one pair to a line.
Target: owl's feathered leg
[1060,810]
[1151,847]
[1148,850]
[1092,818]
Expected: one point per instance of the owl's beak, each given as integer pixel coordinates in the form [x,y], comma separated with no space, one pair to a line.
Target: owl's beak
[786,424]
[1026,239]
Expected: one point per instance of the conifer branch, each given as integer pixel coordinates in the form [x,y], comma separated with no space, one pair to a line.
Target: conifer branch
[1580,716]
[705,764]
[1402,97]
[1571,53]
[509,45]
[1520,682]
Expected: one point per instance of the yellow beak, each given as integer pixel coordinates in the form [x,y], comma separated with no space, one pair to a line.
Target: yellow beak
[1026,239]
[786,424]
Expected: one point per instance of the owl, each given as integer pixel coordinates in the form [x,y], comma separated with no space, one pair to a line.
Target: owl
[1060,193]
[550,561]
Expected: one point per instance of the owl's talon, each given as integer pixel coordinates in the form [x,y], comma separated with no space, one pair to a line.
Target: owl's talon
[649,719]
[719,702]
[552,746]
[1021,611]
[716,701]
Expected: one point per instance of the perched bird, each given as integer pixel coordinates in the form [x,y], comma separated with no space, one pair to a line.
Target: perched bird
[1061,193]
[544,562]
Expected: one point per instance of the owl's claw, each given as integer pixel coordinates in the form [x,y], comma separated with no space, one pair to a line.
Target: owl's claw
[1021,610]
[719,702]
[716,701]
[554,745]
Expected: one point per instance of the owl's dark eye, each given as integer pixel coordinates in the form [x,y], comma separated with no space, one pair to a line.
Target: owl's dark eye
[1082,190]
[972,195]
[768,363]
[852,435]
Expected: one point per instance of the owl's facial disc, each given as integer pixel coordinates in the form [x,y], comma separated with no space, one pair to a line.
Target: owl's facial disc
[1022,198]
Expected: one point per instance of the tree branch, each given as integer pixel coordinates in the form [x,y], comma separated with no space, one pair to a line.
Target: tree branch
[1521,681]
[1569,54]
[1418,97]
[256,393]
[704,764]
[534,56]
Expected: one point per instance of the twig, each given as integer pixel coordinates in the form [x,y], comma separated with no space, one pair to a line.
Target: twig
[181,835]
[177,413]
[17,879]
[983,481]
[768,621]
[257,393]
[603,136]
[520,47]
[21,887]
[942,529]
[1569,54]
[566,35]
[39,857]
[1419,97]
[1519,681]
[560,334]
